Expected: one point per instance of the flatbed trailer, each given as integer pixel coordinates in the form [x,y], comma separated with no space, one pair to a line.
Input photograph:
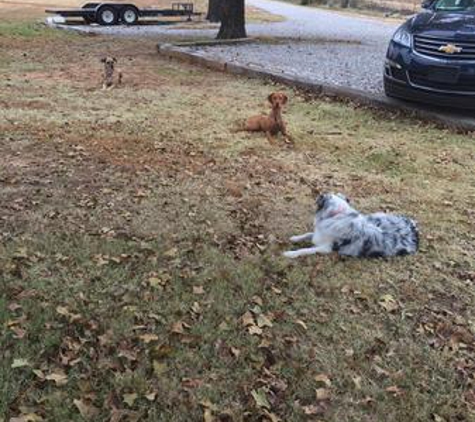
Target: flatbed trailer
[128,14]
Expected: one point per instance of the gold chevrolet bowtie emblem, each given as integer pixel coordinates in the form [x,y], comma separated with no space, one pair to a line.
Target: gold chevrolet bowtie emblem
[450,49]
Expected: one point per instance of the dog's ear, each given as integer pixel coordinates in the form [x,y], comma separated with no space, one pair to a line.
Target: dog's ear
[321,202]
[103,60]
[285,98]
[114,59]
[270,98]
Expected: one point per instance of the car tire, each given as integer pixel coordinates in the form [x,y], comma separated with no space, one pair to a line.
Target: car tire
[129,15]
[107,16]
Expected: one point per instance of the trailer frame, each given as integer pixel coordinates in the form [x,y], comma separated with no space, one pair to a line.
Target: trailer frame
[108,14]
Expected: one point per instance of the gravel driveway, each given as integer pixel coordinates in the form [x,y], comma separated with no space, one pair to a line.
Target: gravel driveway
[322,45]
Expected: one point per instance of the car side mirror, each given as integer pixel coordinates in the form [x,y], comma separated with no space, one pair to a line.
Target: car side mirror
[426,4]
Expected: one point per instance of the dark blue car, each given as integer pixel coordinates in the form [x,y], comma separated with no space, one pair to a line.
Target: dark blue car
[431,57]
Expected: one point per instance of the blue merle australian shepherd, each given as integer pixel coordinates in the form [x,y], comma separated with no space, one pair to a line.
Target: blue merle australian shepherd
[340,228]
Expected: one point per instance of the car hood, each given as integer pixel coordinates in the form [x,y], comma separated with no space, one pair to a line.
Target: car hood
[452,25]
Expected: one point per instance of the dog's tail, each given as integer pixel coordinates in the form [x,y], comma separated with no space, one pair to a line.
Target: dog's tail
[120,78]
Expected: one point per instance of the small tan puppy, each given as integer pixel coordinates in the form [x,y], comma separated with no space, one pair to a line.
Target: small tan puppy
[108,75]
[273,123]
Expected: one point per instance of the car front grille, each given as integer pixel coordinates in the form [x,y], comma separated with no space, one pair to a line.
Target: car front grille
[464,84]
[430,46]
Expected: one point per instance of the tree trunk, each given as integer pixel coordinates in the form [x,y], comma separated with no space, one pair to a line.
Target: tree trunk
[233,23]
[214,9]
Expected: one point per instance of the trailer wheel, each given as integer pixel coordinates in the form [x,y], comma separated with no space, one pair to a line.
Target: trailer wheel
[107,15]
[129,15]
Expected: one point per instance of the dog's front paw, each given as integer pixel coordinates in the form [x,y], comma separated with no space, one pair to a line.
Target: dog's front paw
[290,254]
[295,239]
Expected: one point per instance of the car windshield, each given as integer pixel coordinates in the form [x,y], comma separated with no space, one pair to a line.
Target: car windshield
[454,5]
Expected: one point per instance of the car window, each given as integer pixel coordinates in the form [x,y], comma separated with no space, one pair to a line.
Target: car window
[454,5]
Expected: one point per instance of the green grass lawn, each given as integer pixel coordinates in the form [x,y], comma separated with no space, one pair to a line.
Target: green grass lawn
[140,250]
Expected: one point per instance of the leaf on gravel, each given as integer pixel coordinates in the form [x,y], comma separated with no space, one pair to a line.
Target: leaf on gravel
[389,303]
[323,379]
[302,324]
[147,338]
[87,411]
[59,377]
[129,399]
[263,321]
[20,363]
[234,351]
[260,397]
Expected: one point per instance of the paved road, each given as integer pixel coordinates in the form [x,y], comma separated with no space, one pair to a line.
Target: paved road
[322,45]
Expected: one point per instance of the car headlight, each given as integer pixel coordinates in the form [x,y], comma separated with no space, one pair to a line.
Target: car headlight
[402,37]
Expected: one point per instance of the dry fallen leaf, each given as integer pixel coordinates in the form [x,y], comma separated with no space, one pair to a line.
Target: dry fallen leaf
[151,396]
[171,253]
[59,377]
[312,410]
[27,417]
[395,390]
[247,319]
[322,394]
[198,290]
[129,399]
[179,327]
[302,324]
[87,411]
[235,352]
[207,415]
[263,321]
[196,308]
[254,330]
[389,303]
[323,379]
[147,338]
[357,381]
[260,397]
[20,363]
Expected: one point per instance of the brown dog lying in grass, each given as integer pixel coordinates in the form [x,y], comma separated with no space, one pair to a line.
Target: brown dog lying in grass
[273,123]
